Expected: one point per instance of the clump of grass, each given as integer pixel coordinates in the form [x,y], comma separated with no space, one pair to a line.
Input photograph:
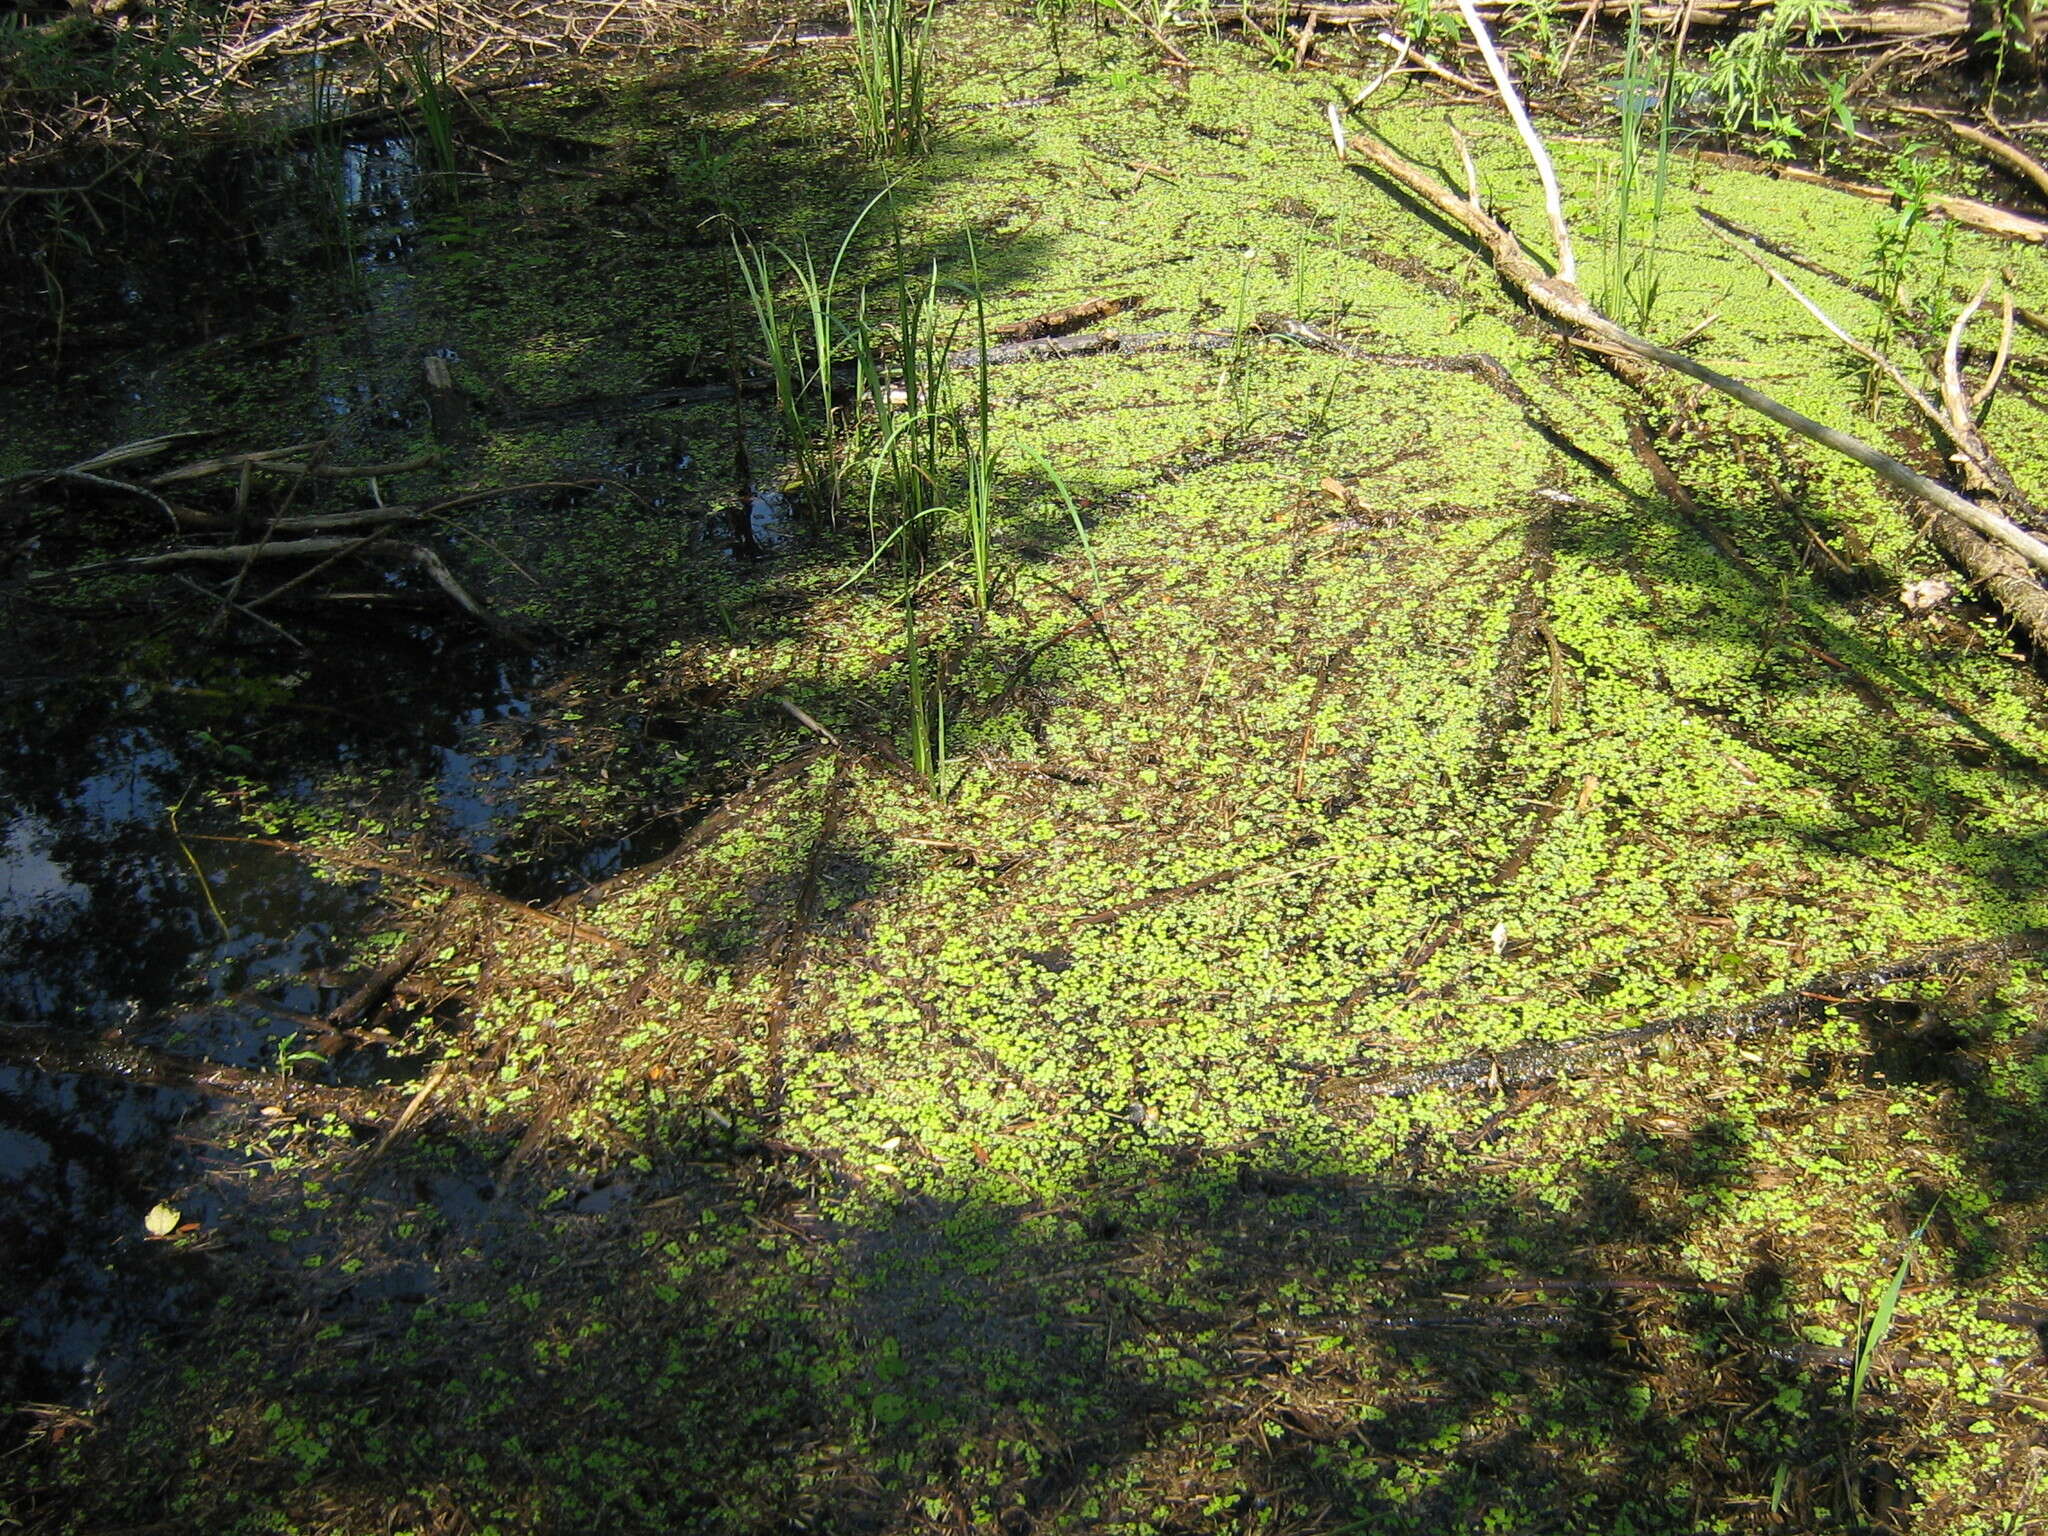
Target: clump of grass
[1645,91]
[1280,50]
[891,49]
[425,68]
[873,407]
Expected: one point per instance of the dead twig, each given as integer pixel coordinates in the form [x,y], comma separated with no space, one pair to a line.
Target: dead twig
[1984,217]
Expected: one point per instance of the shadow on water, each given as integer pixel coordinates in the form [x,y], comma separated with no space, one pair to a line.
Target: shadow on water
[266,295]
[134,909]
[1193,1339]
[1200,1342]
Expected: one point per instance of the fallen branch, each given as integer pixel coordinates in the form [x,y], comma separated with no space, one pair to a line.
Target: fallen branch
[567,926]
[1928,19]
[1404,49]
[1980,466]
[2017,593]
[1553,198]
[42,1048]
[1987,218]
[2011,156]
[1625,352]
[277,461]
[1528,1065]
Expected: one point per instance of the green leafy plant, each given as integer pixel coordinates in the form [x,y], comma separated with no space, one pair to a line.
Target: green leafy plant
[1536,22]
[1896,243]
[126,78]
[1752,75]
[1837,118]
[1053,15]
[1147,15]
[979,454]
[1066,497]
[1421,22]
[2009,30]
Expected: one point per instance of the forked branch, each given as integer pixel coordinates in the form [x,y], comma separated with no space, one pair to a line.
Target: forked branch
[1626,353]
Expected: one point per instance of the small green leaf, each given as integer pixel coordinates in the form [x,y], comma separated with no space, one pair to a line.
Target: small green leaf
[161,1221]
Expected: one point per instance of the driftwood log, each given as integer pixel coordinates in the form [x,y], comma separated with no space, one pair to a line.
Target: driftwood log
[1921,20]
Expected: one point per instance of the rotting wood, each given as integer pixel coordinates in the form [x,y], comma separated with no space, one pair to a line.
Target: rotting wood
[1179,892]
[1064,322]
[858,744]
[1276,327]
[1960,406]
[1788,254]
[1530,1065]
[397,1128]
[1566,263]
[278,461]
[1996,570]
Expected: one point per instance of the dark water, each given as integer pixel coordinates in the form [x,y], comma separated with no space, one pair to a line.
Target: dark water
[134,908]
[129,913]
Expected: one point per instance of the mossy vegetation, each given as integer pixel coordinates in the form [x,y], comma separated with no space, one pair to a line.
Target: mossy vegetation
[1011,1149]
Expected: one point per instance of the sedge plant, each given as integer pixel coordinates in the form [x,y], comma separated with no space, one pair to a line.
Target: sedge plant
[891,48]
[426,79]
[1880,1325]
[804,339]
[1644,166]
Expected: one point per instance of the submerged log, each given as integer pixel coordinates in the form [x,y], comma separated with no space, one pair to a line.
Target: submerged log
[336,542]
[1529,1065]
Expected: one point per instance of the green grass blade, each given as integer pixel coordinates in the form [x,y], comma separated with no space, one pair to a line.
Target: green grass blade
[1887,1308]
